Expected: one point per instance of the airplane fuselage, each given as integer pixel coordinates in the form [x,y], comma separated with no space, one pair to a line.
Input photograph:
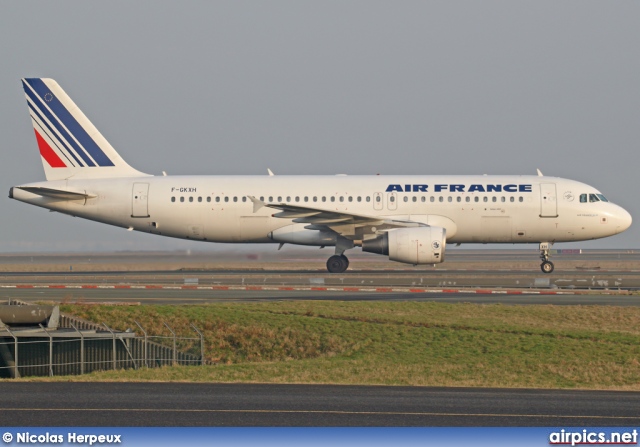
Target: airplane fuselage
[472,209]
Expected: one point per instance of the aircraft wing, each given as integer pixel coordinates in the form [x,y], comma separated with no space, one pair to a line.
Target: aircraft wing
[349,225]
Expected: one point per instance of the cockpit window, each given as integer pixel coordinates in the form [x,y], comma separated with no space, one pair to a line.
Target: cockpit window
[584,198]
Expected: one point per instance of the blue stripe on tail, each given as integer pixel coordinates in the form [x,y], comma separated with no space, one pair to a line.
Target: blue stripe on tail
[63,115]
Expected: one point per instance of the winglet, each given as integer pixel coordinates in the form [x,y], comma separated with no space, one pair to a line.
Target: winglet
[539,173]
[257,204]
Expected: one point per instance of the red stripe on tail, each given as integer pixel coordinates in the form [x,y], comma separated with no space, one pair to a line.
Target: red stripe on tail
[47,153]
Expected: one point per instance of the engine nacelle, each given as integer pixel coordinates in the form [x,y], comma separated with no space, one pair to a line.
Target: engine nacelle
[418,245]
[299,235]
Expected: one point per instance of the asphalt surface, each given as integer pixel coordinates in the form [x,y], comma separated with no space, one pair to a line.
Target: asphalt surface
[192,296]
[171,404]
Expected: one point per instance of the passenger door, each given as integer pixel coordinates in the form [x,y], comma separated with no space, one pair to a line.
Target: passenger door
[548,202]
[139,200]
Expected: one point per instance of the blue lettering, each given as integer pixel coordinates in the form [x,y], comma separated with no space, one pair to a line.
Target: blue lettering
[476,188]
[524,188]
[510,188]
[494,188]
[456,188]
[439,188]
[392,188]
[407,188]
[419,188]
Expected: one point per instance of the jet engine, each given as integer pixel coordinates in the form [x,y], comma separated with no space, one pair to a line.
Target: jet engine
[417,245]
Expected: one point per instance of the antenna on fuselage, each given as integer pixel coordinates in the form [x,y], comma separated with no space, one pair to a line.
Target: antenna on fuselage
[539,173]
[271,174]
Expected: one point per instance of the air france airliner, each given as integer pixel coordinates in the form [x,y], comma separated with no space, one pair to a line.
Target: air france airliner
[410,219]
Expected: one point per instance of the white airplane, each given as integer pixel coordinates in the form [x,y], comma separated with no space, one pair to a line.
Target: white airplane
[408,218]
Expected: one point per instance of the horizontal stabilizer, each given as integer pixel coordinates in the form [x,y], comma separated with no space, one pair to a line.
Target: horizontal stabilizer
[56,193]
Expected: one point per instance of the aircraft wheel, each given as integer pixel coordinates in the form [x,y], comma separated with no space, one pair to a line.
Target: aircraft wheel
[546,267]
[337,264]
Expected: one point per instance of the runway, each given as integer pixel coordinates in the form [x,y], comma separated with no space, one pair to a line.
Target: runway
[175,404]
[195,296]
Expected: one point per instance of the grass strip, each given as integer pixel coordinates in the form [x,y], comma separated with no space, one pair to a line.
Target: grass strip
[394,343]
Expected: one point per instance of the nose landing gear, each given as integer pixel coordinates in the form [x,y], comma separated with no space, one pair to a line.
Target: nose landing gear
[546,266]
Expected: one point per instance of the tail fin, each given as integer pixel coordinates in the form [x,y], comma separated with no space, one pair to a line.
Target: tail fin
[70,146]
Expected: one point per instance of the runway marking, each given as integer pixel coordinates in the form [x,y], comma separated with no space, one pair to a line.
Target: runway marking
[339,412]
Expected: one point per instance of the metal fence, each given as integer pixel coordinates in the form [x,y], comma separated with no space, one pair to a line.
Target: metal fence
[90,347]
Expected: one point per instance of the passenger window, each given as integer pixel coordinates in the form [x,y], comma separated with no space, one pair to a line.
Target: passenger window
[432,199]
[244,198]
[199,199]
[270,198]
[350,199]
[342,198]
[450,199]
[235,199]
[279,198]
[512,199]
[226,199]
[503,199]
[485,199]
[297,198]
[209,199]
[441,199]
[288,198]
[190,199]
[217,199]
[459,199]
[423,198]
[378,199]
[324,199]
[467,199]
[173,199]
[333,198]
[368,199]
[306,198]
[406,199]
[476,199]
[182,199]
[521,199]
[392,199]
[415,199]
[315,199]
[359,199]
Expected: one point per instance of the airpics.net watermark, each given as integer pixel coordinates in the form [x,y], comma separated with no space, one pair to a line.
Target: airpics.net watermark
[589,437]
[54,438]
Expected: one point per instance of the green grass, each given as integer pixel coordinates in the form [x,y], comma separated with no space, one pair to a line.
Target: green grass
[397,343]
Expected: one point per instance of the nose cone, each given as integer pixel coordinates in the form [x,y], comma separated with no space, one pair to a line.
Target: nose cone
[623,220]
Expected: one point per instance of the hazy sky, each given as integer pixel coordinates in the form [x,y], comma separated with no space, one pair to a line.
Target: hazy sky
[325,87]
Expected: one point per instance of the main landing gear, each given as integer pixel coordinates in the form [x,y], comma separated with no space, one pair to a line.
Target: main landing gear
[546,266]
[337,264]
